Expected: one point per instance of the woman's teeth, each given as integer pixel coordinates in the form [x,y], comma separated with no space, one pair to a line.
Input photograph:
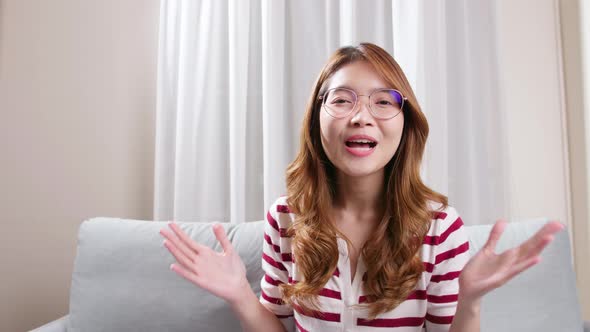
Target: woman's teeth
[361,144]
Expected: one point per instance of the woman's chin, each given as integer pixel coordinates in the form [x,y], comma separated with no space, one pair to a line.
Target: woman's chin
[360,172]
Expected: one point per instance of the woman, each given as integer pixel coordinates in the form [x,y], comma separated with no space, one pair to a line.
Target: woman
[359,243]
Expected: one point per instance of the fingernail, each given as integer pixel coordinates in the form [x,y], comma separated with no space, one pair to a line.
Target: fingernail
[171,266]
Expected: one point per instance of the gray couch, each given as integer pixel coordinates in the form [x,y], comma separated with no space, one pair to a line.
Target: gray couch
[121,282]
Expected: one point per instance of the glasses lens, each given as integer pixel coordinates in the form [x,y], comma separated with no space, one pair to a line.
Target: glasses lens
[386,103]
[339,102]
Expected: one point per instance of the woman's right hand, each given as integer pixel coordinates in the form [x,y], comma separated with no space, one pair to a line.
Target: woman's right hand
[222,274]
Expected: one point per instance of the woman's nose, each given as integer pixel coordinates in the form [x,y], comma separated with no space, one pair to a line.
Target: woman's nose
[362,113]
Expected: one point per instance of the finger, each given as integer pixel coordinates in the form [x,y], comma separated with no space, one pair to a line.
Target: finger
[551,228]
[536,243]
[540,245]
[219,232]
[187,274]
[186,239]
[173,239]
[183,259]
[495,235]
[522,266]
[526,253]
[167,234]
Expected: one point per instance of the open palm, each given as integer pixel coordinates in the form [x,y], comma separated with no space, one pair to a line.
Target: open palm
[487,270]
[222,274]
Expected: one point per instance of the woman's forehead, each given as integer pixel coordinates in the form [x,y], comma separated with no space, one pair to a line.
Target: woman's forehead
[359,76]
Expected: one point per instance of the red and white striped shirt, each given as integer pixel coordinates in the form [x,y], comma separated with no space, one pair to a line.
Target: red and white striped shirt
[430,306]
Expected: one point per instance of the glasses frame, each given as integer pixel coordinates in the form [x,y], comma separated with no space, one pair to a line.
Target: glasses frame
[356,101]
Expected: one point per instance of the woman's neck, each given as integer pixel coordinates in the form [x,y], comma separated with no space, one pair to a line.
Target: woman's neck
[360,196]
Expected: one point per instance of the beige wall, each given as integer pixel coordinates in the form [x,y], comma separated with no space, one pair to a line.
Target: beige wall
[77,106]
[575,30]
[539,70]
[542,61]
[530,80]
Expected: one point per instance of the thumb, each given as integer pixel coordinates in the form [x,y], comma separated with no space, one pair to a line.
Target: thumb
[222,238]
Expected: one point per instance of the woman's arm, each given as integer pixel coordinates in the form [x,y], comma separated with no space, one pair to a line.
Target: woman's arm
[221,274]
[487,271]
[254,316]
[466,316]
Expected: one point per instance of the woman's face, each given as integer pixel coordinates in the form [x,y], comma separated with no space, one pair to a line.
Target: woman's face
[348,153]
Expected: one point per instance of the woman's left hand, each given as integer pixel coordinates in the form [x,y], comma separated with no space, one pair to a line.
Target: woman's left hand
[487,270]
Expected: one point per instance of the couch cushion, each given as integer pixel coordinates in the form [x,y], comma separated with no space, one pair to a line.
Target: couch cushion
[543,298]
[122,281]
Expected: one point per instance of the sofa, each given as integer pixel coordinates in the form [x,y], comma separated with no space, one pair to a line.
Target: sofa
[122,282]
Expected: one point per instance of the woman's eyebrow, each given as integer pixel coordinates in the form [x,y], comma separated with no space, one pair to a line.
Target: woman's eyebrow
[345,86]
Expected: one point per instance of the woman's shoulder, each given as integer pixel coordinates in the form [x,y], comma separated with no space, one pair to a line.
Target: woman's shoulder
[279,216]
[280,205]
[445,219]
[440,211]
[280,201]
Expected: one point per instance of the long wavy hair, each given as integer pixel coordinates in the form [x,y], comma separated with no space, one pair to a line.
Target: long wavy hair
[391,254]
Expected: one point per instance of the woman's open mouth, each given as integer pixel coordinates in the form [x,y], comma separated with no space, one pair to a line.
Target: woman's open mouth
[360,147]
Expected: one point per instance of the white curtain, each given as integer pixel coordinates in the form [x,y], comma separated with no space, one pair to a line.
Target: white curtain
[448,51]
[234,77]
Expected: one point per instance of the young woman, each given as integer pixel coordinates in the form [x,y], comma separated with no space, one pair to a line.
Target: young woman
[359,243]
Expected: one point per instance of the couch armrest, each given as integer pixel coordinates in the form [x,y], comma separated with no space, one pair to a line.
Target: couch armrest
[58,325]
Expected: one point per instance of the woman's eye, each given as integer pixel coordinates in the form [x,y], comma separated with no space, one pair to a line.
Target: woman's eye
[384,102]
[340,101]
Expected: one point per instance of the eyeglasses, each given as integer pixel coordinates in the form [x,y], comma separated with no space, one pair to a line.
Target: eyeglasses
[383,104]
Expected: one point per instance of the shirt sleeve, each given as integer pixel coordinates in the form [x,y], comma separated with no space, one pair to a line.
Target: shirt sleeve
[451,254]
[275,271]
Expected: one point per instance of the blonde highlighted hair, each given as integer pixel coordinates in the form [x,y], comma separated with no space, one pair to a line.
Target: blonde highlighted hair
[392,253]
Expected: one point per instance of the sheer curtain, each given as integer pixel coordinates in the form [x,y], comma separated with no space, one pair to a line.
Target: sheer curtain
[234,77]
[448,51]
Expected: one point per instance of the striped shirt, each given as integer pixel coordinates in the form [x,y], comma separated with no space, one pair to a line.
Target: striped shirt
[431,306]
